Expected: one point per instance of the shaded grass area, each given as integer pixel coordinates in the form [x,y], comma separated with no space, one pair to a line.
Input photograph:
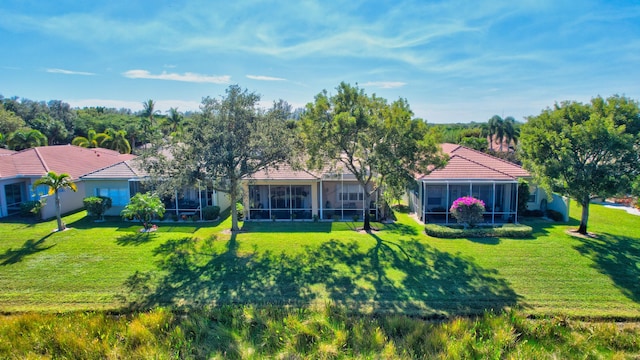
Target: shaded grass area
[325,332]
[398,269]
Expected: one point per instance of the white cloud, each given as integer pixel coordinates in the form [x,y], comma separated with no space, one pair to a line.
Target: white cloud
[186,77]
[264,78]
[69,72]
[384,84]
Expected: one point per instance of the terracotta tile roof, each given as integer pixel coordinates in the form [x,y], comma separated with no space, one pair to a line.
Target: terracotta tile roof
[122,170]
[4,151]
[283,172]
[74,160]
[468,164]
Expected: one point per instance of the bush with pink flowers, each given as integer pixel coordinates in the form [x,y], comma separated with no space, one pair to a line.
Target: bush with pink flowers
[468,211]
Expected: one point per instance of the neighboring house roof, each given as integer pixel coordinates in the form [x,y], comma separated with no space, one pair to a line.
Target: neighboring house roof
[283,172]
[469,164]
[122,170]
[73,160]
[4,151]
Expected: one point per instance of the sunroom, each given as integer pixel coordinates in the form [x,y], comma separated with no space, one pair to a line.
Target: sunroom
[500,198]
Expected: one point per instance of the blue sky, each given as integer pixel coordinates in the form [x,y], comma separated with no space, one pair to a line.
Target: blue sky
[454,61]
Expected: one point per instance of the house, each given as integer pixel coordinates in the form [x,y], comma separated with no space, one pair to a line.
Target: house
[123,180]
[485,177]
[19,170]
[286,193]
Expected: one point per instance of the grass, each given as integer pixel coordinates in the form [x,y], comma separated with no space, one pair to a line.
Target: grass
[327,332]
[397,270]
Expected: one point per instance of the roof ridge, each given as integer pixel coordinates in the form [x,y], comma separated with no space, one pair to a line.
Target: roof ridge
[486,167]
[494,157]
[39,156]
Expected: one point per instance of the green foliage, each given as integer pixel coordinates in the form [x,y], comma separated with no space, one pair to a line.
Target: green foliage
[584,150]
[97,205]
[512,231]
[523,195]
[143,207]
[240,210]
[331,332]
[10,122]
[230,140]
[379,143]
[555,215]
[211,212]
[25,139]
[31,208]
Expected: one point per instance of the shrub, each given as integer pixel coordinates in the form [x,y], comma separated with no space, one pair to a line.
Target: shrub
[523,196]
[316,218]
[31,208]
[533,213]
[211,212]
[468,211]
[240,211]
[555,215]
[515,231]
[97,205]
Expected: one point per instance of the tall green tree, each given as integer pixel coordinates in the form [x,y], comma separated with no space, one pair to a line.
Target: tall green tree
[230,139]
[379,143]
[511,131]
[173,122]
[584,150]
[55,183]
[10,122]
[148,114]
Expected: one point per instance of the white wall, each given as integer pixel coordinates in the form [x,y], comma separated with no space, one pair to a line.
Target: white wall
[69,201]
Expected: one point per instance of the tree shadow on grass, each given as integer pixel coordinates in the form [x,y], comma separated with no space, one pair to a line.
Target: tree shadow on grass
[404,276]
[617,257]
[29,247]
[135,239]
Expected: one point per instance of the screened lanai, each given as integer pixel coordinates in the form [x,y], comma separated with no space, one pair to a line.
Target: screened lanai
[280,201]
[500,198]
[342,198]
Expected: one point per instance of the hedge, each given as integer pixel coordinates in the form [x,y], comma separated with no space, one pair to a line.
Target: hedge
[514,231]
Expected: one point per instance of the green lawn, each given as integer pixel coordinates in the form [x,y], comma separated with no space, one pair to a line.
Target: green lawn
[111,266]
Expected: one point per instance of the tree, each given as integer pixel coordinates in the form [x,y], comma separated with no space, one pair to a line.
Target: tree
[231,139]
[378,143]
[174,120]
[55,183]
[25,139]
[511,131]
[10,122]
[143,207]
[148,113]
[93,139]
[118,141]
[584,150]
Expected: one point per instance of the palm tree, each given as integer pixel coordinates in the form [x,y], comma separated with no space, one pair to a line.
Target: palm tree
[25,139]
[93,139]
[492,128]
[174,120]
[148,112]
[56,183]
[511,130]
[118,141]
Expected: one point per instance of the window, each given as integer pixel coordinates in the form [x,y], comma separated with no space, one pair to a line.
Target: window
[350,192]
[119,196]
[14,195]
[533,193]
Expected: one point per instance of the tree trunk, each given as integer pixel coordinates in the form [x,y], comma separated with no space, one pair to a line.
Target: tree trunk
[367,222]
[58,215]
[585,217]
[233,195]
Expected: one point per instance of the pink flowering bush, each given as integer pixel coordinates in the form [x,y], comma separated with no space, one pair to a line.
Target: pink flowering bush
[468,211]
